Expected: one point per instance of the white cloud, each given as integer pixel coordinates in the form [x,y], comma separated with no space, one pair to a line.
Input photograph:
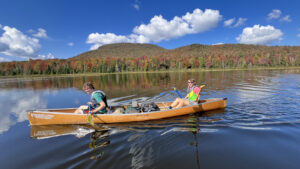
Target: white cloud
[286,18]
[218,43]
[259,35]
[160,29]
[3,46]
[70,44]
[48,56]
[41,33]
[229,22]
[31,31]
[14,43]
[136,5]
[275,14]
[298,35]
[2,59]
[101,39]
[240,22]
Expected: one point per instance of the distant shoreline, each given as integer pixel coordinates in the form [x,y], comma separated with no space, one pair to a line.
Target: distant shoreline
[138,72]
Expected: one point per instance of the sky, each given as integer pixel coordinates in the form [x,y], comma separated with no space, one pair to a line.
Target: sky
[45,29]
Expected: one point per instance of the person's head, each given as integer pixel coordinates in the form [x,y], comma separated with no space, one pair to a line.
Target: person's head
[191,82]
[88,87]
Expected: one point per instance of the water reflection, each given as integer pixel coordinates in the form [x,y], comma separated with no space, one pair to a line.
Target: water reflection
[145,84]
[15,104]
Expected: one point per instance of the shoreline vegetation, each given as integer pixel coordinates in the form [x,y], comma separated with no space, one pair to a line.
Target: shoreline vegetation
[147,58]
[37,76]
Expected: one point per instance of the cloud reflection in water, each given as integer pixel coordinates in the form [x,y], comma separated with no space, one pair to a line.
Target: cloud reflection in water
[15,104]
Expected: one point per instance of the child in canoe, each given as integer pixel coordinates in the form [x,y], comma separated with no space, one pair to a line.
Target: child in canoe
[98,100]
[192,98]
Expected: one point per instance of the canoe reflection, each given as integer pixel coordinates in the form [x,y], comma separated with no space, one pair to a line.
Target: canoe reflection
[140,142]
[49,131]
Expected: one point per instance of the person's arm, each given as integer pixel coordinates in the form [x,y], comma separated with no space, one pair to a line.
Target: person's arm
[102,105]
[99,98]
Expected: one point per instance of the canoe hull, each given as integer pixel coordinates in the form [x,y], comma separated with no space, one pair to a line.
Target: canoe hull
[66,116]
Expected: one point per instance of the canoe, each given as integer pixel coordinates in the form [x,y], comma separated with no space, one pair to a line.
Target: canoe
[67,115]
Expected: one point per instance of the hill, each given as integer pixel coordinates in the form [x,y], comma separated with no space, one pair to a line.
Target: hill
[123,50]
[134,50]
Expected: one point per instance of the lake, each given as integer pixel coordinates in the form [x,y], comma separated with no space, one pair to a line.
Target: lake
[259,128]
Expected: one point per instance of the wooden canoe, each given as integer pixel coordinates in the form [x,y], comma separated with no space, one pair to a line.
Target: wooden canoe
[66,116]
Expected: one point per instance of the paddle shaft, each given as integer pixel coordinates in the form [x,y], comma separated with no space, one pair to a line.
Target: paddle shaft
[177,92]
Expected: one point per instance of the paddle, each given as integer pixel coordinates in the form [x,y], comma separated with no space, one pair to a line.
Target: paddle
[89,116]
[177,92]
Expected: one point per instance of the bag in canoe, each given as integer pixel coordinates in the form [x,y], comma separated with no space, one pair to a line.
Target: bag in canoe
[149,107]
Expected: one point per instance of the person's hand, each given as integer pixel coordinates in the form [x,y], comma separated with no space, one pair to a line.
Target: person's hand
[89,103]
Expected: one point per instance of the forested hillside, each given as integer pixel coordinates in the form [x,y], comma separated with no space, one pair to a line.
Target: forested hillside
[146,57]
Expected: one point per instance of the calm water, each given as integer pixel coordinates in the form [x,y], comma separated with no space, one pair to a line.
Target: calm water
[260,128]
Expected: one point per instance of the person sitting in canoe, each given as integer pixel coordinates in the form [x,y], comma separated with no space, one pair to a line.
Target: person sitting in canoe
[98,100]
[192,98]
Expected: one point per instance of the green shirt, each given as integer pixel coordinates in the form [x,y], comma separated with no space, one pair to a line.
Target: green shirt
[99,98]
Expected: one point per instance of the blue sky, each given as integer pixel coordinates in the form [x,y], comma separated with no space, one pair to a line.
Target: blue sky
[65,28]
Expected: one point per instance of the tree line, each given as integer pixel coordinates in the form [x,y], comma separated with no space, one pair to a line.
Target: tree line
[191,57]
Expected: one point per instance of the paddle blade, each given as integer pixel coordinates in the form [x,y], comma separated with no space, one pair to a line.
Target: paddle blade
[90,119]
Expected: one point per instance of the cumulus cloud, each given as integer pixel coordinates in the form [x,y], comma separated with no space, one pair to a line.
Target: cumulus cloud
[259,35]
[17,44]
[3,46]
[70,44]
[14,43]
[101,39]
[41,33]
[160,29]
[286,18]
[275,14]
